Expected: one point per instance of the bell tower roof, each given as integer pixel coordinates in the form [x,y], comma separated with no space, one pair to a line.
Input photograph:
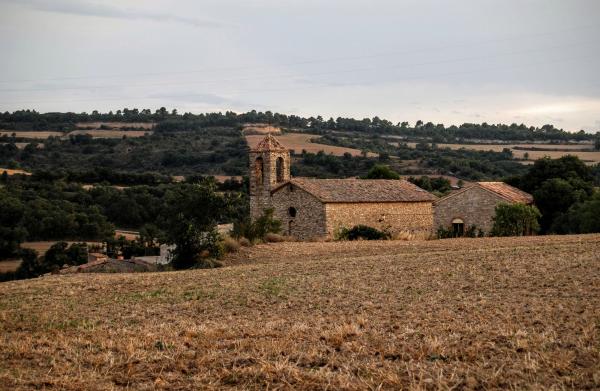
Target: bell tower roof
[269,143]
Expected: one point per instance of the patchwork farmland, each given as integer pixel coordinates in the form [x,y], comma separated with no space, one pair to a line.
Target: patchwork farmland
[42,135]
[302,141]
[96,133]
[516,313]
[534,151]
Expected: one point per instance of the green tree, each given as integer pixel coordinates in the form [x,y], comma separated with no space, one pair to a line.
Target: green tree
[556,184]
[190,221]
[380,171]
[77,254]
[515,220]
[11,231]
[29,266]
[553,198]
[569,168]
[55,257]
[582,217]
[150,234]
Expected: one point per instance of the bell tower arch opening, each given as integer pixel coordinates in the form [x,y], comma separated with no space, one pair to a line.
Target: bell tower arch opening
[269,166]
[259,171]
[279,169]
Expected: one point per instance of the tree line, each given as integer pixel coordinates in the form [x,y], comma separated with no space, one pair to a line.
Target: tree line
[33,209]
[173,121]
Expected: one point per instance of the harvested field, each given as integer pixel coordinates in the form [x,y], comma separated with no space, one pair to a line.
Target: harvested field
[9,265]
[91,186]
[31,134]
[129,235]
[114,125]
[223,178]
[299,141]
[512,313]
[588,157]
[42,247]
[260,129]
[111,133]
[10,171]
[500,147]
[552,150]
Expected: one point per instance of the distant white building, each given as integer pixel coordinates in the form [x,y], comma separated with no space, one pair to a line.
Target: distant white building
[163,258]
[166,251]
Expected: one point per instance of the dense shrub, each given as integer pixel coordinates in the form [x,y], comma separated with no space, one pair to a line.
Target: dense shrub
[380,171]
[582,217]
[230,245]
[515,220]
[363,232]
[449,232]
[258,229]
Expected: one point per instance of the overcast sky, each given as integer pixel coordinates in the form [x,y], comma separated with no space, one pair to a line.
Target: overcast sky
[495,61]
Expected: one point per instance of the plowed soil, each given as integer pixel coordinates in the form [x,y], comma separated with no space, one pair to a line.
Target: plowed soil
[516,313]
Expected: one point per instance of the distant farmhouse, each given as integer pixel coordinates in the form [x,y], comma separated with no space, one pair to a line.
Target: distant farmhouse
[475,206]
[318,208]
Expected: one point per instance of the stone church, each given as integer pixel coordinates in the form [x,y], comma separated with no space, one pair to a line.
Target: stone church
[310,208]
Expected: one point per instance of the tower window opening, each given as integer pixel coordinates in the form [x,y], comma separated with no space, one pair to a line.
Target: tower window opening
[259,171]
[279,169]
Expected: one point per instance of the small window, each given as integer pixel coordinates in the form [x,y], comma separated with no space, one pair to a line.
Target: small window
[279,169]
[292,211]
[259,171]
[458,227]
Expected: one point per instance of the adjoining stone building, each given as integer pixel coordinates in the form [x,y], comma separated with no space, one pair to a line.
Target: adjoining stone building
[318,208]
[475,206]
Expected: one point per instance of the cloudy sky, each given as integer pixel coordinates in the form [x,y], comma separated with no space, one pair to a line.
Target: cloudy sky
[523,61]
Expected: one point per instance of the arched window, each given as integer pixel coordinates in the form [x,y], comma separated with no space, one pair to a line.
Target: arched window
[458,227]
[292,211]
[279,167]
[259,171]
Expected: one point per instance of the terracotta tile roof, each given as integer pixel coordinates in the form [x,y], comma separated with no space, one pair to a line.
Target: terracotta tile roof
[507,191]
[269,143]
[362,190]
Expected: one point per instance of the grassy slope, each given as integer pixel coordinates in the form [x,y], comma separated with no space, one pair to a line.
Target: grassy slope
[520,313]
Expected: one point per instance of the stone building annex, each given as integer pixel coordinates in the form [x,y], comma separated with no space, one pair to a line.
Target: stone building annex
[475,206]
[311,208]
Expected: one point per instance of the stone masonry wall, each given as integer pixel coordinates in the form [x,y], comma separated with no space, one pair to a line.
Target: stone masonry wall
[397,217]
[309,222]
[475,206]
[261,185]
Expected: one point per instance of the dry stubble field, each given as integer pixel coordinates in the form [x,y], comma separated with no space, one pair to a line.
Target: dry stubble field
[299,141]
[553,151]
[463,313]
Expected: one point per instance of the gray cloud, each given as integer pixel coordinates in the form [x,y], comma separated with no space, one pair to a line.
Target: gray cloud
[349,58]
[206,99]
[85,8]
[194,98]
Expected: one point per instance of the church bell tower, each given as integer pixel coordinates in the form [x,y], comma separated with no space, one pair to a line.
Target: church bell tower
[269,167]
